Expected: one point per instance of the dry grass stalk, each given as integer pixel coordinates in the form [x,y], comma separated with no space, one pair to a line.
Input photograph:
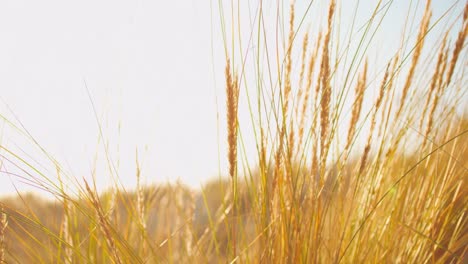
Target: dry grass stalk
[315,164]
[458,45]
[232,93]
[443,68]
[385,116]
[416,55]
[378,103]
[288,85]
[103,224]
[324,87]
[307,88]
[66,233]
[315,144]
[112,205]
[434,81]
[278,177]
[325,100]
[357,106]
[300,92]
[66,221]
[291,141]
[438,93]
[140,206]
[442,84]
[305,44]
[3,226]
[140,196]
[287,79]
[278,181]
[379,100]
[315,141]
[232,102]
[263,163]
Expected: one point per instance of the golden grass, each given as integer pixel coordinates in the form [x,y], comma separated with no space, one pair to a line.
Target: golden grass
[337,179]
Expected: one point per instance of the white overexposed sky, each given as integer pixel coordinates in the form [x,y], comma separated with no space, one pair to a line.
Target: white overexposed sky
[153,73]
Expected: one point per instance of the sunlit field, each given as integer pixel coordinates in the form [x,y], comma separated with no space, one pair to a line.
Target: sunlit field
[340,148]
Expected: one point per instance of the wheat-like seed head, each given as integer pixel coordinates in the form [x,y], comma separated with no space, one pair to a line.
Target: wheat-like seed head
[232,102]
[288,85]
[287,79]
[357,106]
[438,94]
[232,93]
[435,79]
[325,86]
[301,94]
[378,103]
[305,101]
[382,88]
[417,53]
[385,115]
[305,44]
[458,45]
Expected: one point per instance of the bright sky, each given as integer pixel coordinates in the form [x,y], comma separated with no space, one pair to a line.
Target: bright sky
[149,70]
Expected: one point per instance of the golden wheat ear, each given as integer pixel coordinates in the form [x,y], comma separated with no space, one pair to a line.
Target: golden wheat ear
[232,103]
[416,56]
